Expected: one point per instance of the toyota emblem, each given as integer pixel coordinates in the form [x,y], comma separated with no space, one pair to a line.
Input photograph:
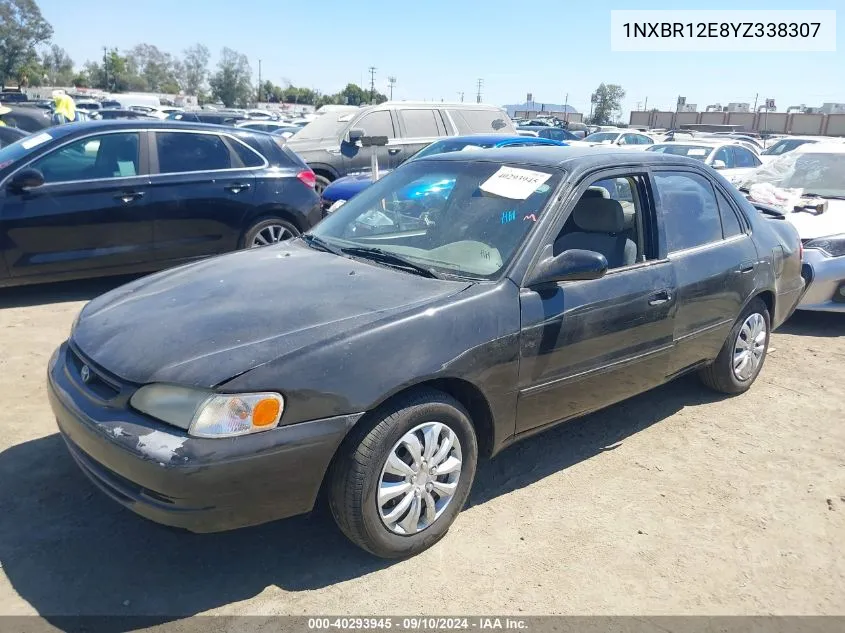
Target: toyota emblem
[85,373]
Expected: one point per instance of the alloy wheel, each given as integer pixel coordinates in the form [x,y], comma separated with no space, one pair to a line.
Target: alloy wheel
[750,347]
[271,234]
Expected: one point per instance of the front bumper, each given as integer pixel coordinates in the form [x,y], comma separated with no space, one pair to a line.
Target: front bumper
[203,485]
[825,282]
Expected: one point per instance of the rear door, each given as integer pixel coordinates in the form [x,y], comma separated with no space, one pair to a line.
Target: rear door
[714,260]
[202,189]
[419,127]
[92,213]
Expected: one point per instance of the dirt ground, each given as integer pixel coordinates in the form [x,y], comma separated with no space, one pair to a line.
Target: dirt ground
[675,502]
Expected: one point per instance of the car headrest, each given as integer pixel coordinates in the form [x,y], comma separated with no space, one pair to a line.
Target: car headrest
[596,192]
[599,215]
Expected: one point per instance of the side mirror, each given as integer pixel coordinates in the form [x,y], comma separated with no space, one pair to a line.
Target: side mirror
[719,164]
[570,265]
[26,179]
[354,135]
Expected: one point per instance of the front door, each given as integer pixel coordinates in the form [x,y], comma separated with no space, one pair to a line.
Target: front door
[358,159]
[202,190]
[91,213]
[587,344]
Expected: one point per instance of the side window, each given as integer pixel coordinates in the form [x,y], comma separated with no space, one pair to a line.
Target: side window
[645,140]
[610,219]
[377,123]
[420,123]
[105,156]
[184,151]
[744,158]
[628,139]
[725,155]
[730,223]
[690,212]
[480,121]
[248,157]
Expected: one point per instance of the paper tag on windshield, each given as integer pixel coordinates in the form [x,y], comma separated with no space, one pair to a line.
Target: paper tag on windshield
[697,152]
[514,183]
[37,140]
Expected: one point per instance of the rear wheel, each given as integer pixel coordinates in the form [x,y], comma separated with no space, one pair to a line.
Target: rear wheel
[742,356]
[269,231]
[399,482]
[321,183]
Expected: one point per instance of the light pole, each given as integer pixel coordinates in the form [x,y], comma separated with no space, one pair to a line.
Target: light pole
[391,81]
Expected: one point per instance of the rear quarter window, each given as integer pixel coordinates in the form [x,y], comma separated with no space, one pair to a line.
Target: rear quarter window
[478,121]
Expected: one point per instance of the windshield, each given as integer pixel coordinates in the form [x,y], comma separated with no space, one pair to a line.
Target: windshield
[598,137]
[455,217]
[25,146]
[442,147]
[814,173]
[328,125]
[692,151]
[785,145]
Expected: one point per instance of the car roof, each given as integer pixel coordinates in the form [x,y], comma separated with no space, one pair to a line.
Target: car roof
[117,124]
[568,156]
[482,138]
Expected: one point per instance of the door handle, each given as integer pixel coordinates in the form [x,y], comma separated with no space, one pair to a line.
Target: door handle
[129,196]
[659,298]
[394,150]
[746,267]
[237,187]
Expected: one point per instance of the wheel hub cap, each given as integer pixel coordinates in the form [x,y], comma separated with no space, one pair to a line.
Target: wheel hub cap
[419,478]
[750,347]
[271,235]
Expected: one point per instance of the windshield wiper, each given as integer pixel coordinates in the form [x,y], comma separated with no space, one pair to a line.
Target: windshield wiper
[317,242]
[386,257]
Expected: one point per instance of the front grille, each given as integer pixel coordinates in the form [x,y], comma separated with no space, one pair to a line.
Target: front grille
[103,387]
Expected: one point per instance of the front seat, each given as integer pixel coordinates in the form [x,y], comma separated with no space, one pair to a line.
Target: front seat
[599,226]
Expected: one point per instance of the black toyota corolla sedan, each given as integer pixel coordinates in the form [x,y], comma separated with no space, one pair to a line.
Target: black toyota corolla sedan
[113,197]
[381,354]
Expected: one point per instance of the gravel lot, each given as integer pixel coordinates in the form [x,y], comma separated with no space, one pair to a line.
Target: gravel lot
[675,502]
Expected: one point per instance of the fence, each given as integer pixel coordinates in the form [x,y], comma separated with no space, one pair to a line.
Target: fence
[779,122]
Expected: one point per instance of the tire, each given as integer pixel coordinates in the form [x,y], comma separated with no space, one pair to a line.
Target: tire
[720,374]
[321,183]
[266,227]
[359,471]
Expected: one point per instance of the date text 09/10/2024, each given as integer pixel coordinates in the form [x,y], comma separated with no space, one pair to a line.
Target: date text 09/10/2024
[417,623]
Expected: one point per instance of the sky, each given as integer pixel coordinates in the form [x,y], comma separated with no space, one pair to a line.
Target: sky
[437,49]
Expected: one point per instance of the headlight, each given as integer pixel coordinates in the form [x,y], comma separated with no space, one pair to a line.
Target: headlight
[833,245]
[209,414]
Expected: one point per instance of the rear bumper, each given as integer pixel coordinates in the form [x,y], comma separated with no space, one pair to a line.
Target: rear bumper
[202,485]
[825,277]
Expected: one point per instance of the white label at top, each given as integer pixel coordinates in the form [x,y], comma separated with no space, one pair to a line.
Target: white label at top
[514,183]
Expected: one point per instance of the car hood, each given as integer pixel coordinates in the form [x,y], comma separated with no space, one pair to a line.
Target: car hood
[202,324]
[346,187]
[831,222]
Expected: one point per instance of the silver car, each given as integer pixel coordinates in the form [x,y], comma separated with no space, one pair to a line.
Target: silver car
[808,186]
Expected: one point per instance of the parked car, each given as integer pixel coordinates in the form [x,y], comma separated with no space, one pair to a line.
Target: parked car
[112,197]
[632,140]
[345,188]
[13,96]
[808,186]
[331,143]
[789,143]
[545,131]
[109,114]
[378,357]
[266,125]
[9,135]
[28,119]
[209,117]
[286,132]
[733,160]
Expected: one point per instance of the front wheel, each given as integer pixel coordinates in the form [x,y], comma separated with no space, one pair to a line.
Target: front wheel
[742,356]
[399,482]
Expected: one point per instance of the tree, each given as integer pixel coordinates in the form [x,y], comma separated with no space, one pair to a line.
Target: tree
[22,28]
[58,66]
[195,68]
[608,103]
[232,83]
[158,69]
